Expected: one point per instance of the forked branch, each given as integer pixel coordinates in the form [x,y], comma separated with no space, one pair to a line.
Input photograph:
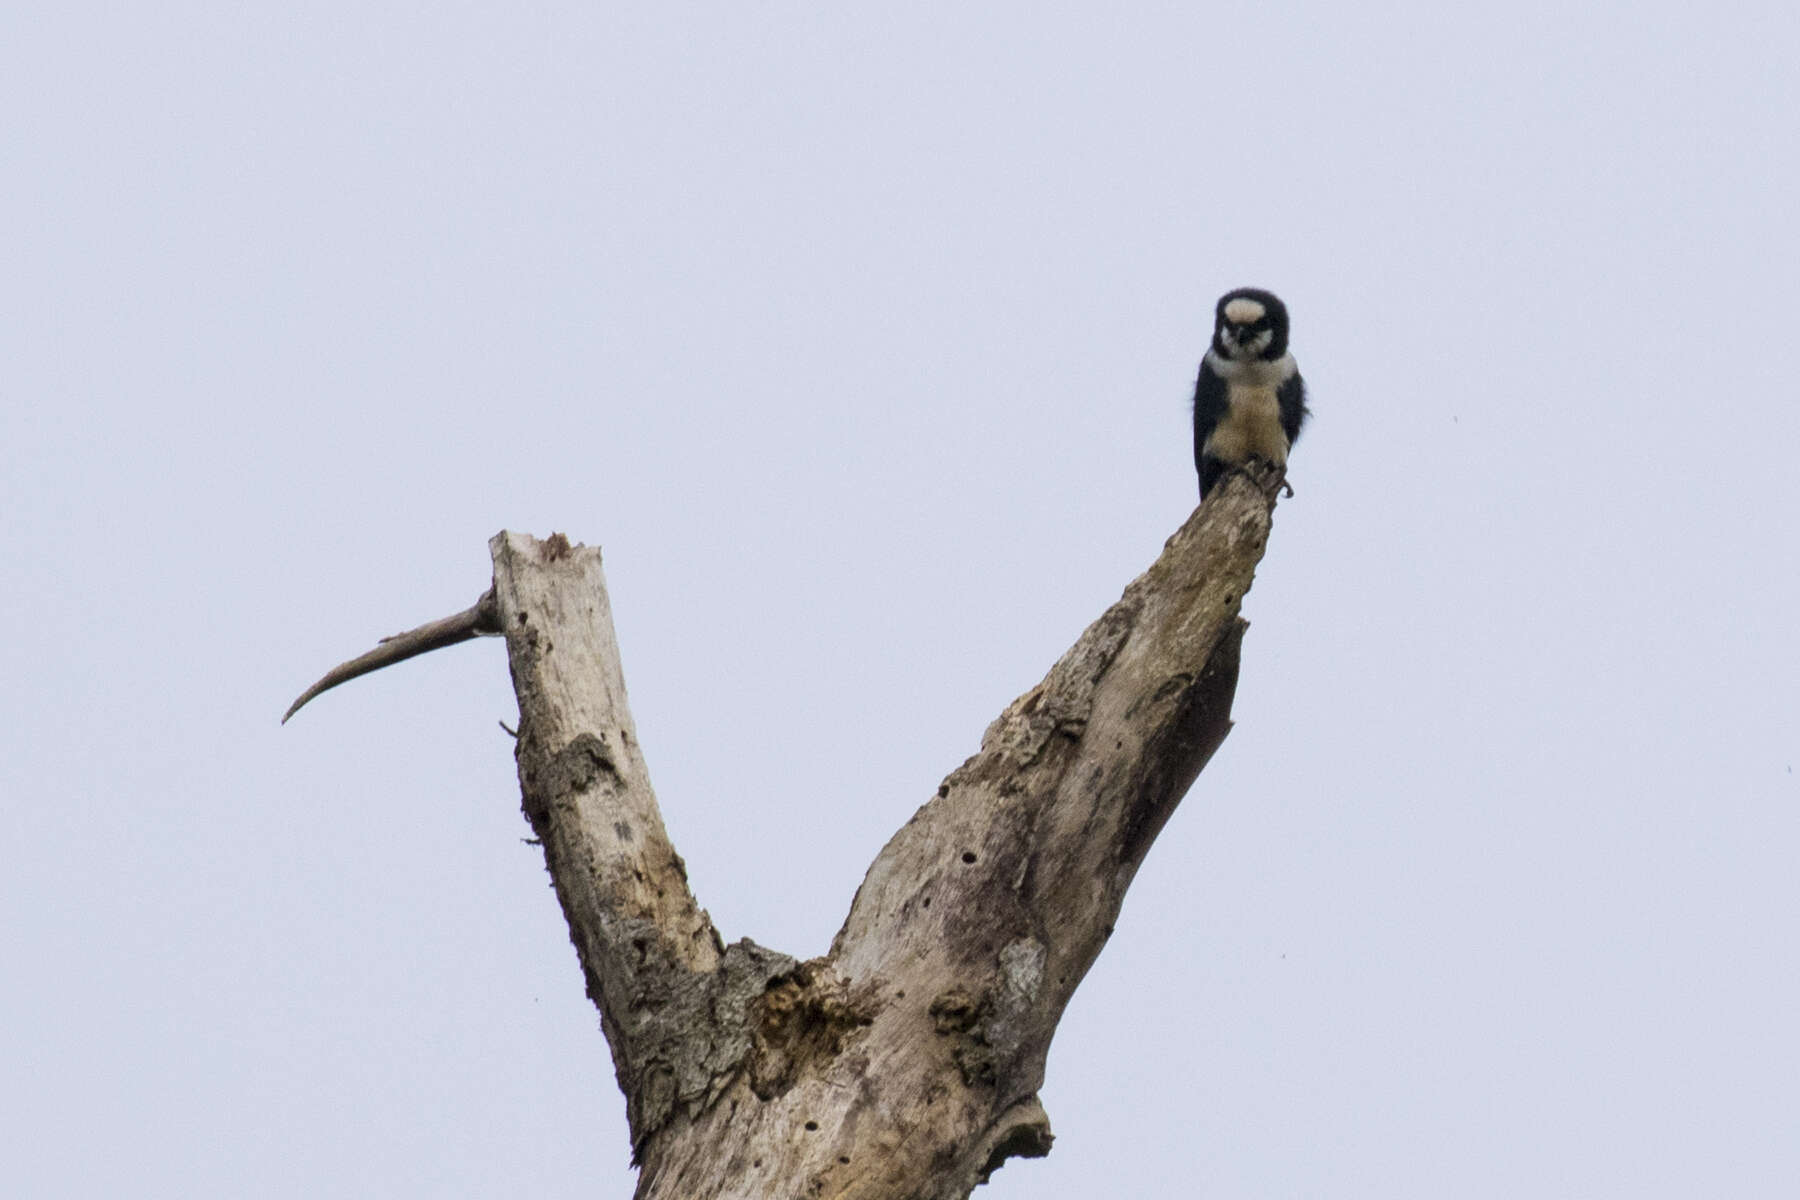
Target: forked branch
[906,1061]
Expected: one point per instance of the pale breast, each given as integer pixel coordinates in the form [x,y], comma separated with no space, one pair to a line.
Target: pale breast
[1251,427]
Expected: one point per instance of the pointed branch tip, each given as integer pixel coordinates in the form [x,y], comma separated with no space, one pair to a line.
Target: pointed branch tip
[483,617]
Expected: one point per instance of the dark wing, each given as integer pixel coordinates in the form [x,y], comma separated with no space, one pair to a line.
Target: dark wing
[1291,398]
[1209,409]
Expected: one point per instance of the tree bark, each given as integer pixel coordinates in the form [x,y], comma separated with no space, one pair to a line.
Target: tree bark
[905,1063]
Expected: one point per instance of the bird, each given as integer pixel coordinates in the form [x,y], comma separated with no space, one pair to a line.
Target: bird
[1249,402]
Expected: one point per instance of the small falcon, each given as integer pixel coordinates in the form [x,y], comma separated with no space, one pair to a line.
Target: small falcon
[1250,401]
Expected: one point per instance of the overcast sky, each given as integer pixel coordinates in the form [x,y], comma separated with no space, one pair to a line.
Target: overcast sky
[862,343]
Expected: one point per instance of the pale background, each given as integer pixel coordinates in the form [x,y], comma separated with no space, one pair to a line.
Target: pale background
[862,342]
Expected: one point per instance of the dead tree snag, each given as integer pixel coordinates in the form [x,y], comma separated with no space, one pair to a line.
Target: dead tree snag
[905,1063]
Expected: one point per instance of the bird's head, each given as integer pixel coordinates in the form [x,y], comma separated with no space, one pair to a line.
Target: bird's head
[1250,324]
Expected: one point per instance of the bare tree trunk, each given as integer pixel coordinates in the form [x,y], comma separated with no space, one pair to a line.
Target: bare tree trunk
[906,1062]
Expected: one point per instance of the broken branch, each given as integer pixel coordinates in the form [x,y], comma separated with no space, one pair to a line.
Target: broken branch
[480,618]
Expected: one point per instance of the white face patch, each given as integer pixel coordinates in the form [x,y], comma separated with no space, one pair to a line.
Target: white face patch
[1244,312]
[1249,347]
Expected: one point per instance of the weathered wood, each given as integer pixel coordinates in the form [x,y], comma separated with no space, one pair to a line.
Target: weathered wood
[672,999]
[472,622]
[905,1063]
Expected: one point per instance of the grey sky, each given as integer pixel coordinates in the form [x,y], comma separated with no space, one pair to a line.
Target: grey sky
[861,342]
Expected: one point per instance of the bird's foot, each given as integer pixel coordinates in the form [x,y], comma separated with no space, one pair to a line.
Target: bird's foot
[1272,479]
